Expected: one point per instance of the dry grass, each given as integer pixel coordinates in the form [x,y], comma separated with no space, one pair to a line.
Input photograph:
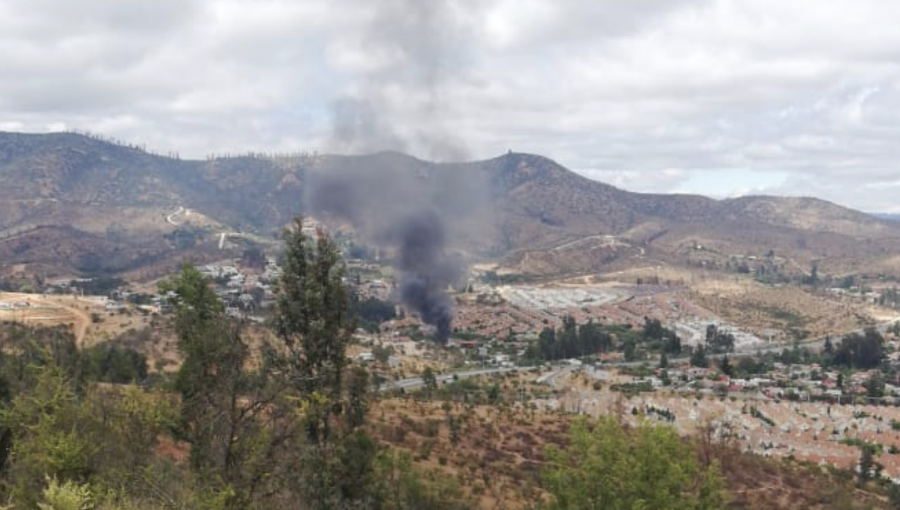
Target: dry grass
[756,307]
[499,452]
[499,456]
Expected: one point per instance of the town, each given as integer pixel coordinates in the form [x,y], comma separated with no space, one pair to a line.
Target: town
[774,394]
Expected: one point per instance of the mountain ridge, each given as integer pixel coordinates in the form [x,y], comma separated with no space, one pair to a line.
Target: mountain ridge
[123,194]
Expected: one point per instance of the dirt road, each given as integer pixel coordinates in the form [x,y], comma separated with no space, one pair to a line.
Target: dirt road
[39,307]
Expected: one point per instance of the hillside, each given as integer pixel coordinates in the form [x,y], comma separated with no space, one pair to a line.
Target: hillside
[75,204]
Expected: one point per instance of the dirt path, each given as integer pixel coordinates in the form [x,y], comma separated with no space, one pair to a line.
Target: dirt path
[78,317]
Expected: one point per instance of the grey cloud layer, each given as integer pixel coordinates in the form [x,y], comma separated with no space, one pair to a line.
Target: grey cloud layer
[643,94]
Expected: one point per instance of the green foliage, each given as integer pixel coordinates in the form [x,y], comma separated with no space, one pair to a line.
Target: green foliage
[718,341]
[402,487]
[573,341]
[94,436]
[34,348]
[860,351]
[371,312]
[866,463]
[659,338]
[185,236]
[608,466]
[875,386]
[108,362]
[66,496]
[235,437]
[382,353]
[756,413]
[314,323]
[698,357]
[313,317]
[52,433]
[429,381]
[725,366]
[254,257]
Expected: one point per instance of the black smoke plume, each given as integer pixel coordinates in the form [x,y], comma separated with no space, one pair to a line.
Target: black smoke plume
[427,271]
[411,210]
[395,201]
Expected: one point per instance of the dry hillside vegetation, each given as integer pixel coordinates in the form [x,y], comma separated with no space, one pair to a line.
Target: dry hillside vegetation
[785,308]
[79,204]
[499,453]
[496,457]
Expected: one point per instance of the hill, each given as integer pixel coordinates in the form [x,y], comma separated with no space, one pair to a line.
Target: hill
[74,204]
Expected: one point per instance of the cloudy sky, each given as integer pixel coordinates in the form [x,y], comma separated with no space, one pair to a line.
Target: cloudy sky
[723,98]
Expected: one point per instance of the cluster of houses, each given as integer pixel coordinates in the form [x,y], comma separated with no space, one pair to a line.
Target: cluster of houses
[243,293]
[798,382]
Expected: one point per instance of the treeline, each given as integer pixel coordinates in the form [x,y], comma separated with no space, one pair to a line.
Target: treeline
[371,312]
[574,341]
[290,156]
[120,143]
[855,351]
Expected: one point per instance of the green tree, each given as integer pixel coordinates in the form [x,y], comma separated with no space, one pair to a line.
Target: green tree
[547,344]
[5,396]
[629,349]
[608,466]
[874,386]
[828,348]
[866,463]
[718,341]
[671,342]
[403,487]
[429,381]
[725,366]
[698,357]
[314,324]
[894,495]
[52,436]
[236,436]
[860,351]
[100,436]
[213,359]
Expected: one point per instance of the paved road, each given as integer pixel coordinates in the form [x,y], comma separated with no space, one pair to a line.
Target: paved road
[415,382]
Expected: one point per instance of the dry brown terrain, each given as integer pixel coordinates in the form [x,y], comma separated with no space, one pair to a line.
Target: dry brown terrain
[79,313]
[498,458]
[787,309]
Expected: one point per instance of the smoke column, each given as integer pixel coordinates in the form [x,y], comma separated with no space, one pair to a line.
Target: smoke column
[401,103]
[427,271]
[404,101]
[412,209]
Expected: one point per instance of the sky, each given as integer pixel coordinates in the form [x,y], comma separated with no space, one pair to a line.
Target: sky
[718,97]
